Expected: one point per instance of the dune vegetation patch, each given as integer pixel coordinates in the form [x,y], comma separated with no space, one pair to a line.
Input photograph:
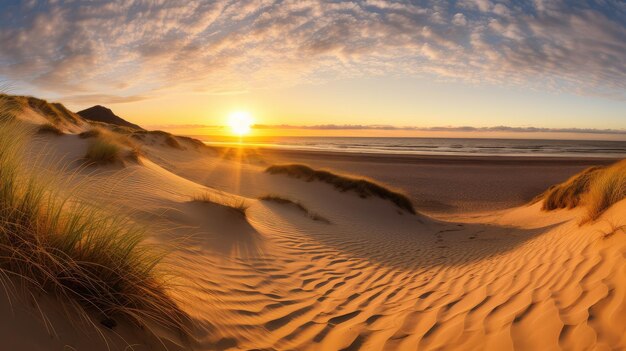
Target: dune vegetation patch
[171,141]
[195,142]
[239,206]
[570,193]
[54,112]
[596,189]
[102,151]
[109,147]
[606,189]
[285,201]
[91,133]
[93,258]
[363,187]
[167,139]
[49,128]
[9,107]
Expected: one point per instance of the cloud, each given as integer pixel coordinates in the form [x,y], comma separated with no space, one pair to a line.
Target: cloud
[506,129]
[137,47]
[101,99]
[374,127]
[459,19]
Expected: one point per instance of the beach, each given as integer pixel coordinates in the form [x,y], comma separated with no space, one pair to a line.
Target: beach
[443,184]
[267,175]
[300,250]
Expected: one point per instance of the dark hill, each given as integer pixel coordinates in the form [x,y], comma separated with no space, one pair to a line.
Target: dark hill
[102,114]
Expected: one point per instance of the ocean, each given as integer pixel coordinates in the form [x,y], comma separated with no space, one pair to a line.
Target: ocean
[436,146]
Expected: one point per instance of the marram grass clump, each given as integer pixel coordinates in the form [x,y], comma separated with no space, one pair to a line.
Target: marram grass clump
[285,201]
[109,147]
[239,206]
[49,128]
[607,188]
[363,187]
[56,244]
[103,150]
[570,193]
[596,189]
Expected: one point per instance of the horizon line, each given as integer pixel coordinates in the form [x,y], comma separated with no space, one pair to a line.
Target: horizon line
[374,127]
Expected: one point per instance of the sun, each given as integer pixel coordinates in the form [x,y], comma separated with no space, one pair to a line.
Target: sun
[240,122]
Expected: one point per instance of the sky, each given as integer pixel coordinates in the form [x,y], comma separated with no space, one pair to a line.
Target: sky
[393,66]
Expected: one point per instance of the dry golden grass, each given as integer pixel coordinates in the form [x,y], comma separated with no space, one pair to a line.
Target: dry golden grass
[570,193]
[9,107]
[103,150]
[54,112]
[284,201]
[596,188]
[167,138]
[363,187]
[239,206]
[606,189]
[109,147]
[53,243]
[171,141]
[195,142]
[91,133]
[49,128]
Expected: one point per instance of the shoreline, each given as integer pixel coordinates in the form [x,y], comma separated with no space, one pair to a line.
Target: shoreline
[447,184]
[435,158]
[392,157]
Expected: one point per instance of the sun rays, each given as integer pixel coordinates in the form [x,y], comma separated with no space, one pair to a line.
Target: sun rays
[240,123]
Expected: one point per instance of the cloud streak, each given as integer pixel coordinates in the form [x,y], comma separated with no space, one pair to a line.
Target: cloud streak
[138,47]
[506,129]
[353,127]
[102,99]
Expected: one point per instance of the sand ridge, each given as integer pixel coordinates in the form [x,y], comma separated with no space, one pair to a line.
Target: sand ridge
[374,278]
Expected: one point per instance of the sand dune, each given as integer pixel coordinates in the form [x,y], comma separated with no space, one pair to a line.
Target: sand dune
[374,278]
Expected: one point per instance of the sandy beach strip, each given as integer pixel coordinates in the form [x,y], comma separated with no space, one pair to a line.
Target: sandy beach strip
[444,184]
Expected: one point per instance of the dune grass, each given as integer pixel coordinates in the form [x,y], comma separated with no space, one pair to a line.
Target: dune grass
[91,133]
[103,150]
[54,112]
[239,206]
[109,147]
[285,201]
[607,188]
[171,141]
[363,187]
[570,193]
[195,142]
[596,189]
[95,259]
[49,128]
[9,107]
[168,138]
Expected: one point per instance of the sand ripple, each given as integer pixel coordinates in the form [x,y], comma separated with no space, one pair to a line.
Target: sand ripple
[439,286]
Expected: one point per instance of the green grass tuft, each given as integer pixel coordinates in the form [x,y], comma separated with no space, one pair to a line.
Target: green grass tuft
[363,187]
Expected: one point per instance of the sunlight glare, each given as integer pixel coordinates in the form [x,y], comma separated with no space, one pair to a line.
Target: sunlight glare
[240,122]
